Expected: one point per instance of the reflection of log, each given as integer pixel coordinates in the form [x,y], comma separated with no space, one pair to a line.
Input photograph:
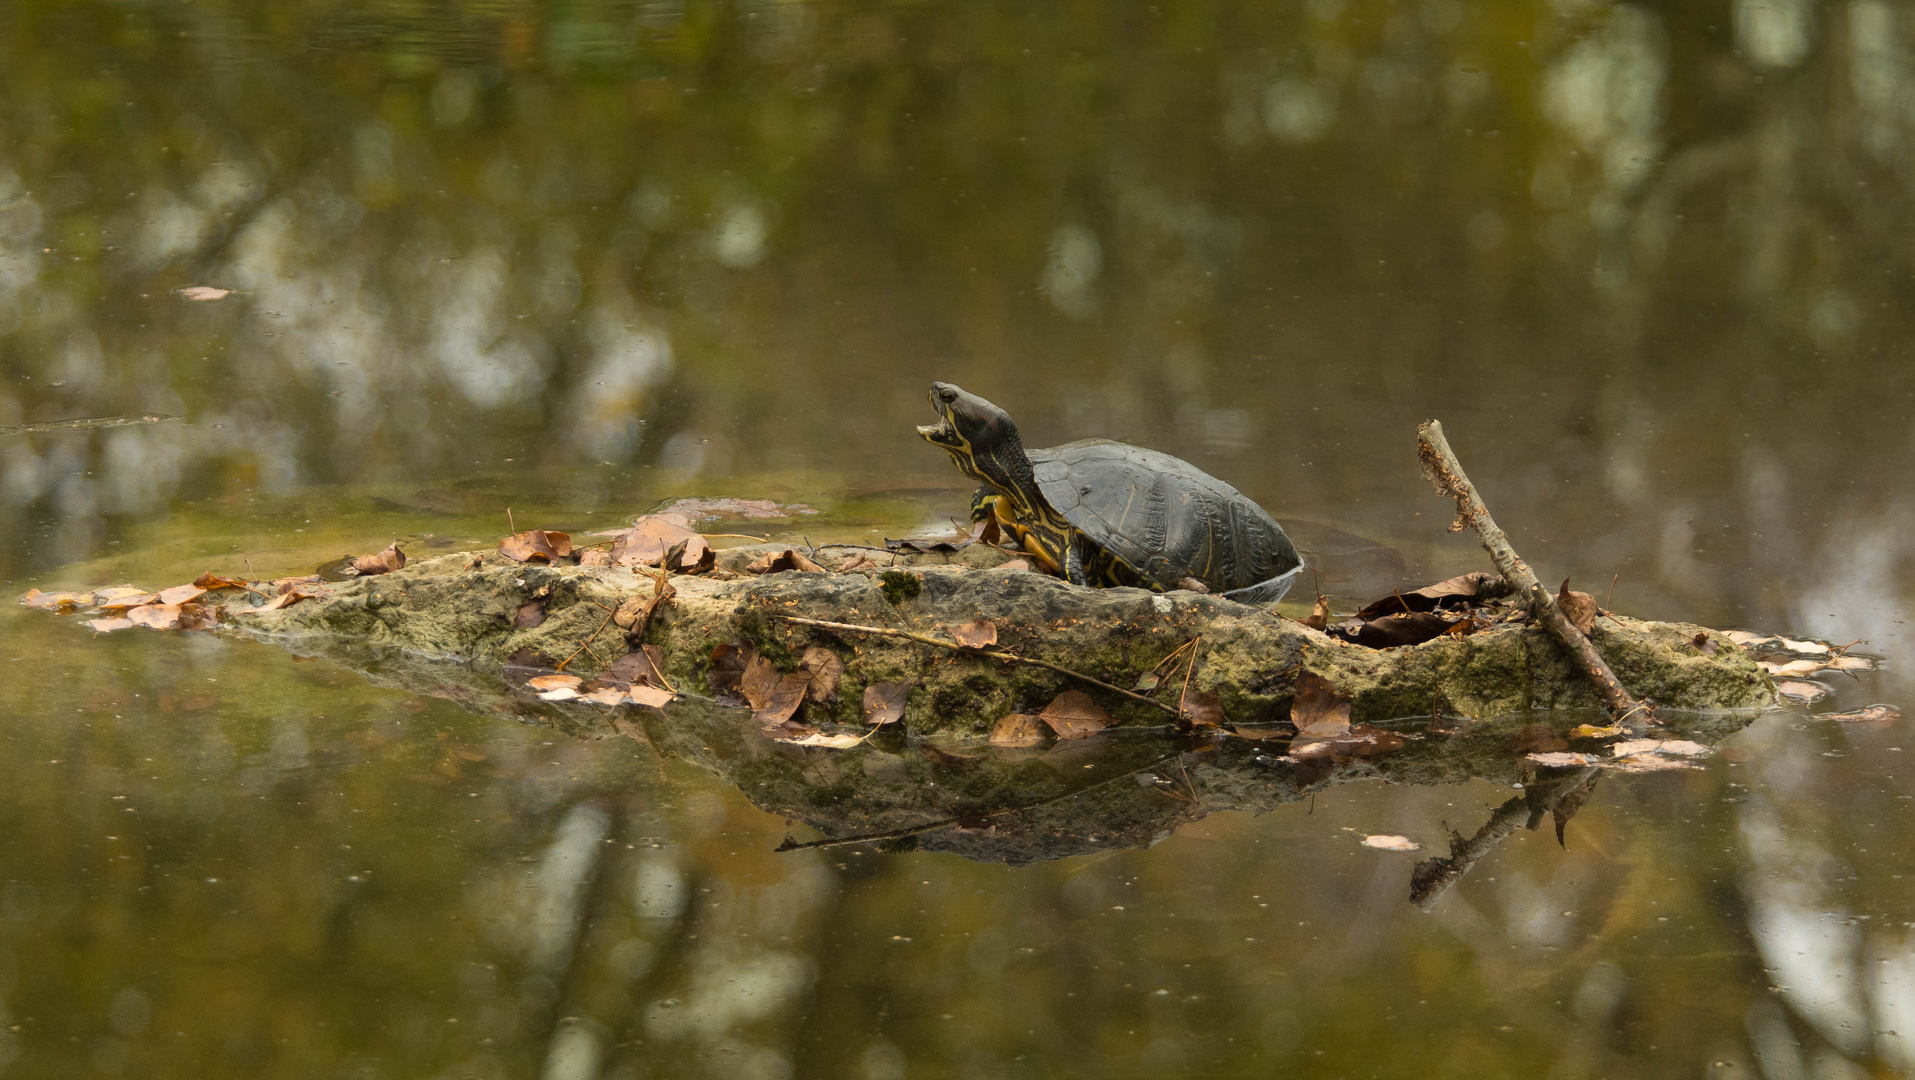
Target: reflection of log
[1443,470]
[461,608]
[1567,788]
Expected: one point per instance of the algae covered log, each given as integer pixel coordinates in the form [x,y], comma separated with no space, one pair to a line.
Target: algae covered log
[463,609]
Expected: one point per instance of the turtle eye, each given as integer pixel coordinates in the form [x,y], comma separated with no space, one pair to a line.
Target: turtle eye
[947,396]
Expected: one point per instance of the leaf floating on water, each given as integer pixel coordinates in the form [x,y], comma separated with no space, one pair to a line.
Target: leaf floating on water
[819,738]
[156,616]
[653,696]
[554,682]
[1590,731]
[605,695]
[1392,843]
[560,693]
[1016,730]
[1873,714]
[1562,759]
[1799,668]
[1801,691]
[822,670]
[107,626]
[884,702]
[1318,710]
[181,594]
[981,634]
[1578,607]
[61,602]
[777,562]
[204,293]
[1634,746]
[1649,763]
[106,598]
[536,545]
[385,562]
[1073,715]
[1683,748]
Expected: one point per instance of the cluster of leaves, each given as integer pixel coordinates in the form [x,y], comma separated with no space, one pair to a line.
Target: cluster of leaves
[123,607]
[740,674]
[637,678]
[1626,755]
[1795,663]
[1458,607]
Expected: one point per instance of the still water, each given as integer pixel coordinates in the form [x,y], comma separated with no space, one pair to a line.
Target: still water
[1650,263]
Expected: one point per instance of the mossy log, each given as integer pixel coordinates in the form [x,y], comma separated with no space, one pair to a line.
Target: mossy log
[447,626]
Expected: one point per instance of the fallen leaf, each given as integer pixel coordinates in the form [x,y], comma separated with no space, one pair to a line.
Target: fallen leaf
[204,293]
[284,585]
[286,599]
[1016,564]
[207,581]
[759,680]
[692,555]
[860,561]
[1873,714]
[383,563]
[1318,710]
[1704,644]
[531,614]
[181,594]
[777,562]
[643,666]
[656,697]
[1590,731]
[1683,748]
[107,626]
[1560,759]
[1793,668]
[605,695]
[884,702]
[1461,591]
[1578,607]
[976,635]
[61,602]
[632,611]
[595,557]
[1634,746]
[155,616]
[536,545]
[781,701]
[1191,584]
[1850,663]
[1200,708]
[648,539]
[553,682]
[1394,631]
[1392,843]
[560,693]
[985,531]
[1172,663]
[833,742]
[823,670]
[1648,763]
[1801,691]
[108,597]
[1073,715]
[1319,614]
[728,663]
[1017,729]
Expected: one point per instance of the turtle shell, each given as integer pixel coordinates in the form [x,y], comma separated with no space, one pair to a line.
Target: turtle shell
[1166,519]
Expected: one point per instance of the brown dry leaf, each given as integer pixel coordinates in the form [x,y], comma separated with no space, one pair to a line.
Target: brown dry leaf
[728,664]
[61,602]
[1392,843]
[1200,708]
[1578,607]
[652,696]
[1801,691]
[107,626]
[760,679]
[203,293]
[156,616]
[1560,760]
[1873,714]
[536,545]
[181,594]
[282,586]
[818,738]
[106,597]
[1016,564]
[1458,592]
[1648,763]
[1318,710]
[530,615]
[1319,614]
[692,555]
[822,669]
[208,582]
[1169,666]
[1073,715]
[860,561]
[781,701]
[1590,731]
[650,537]
[775,562]
[1393,631]
[383,563]
[985,531]
[595,557]
[287,599]
[981,634]
[1684,748]
[1634,746]
[1017,729]
[884,702]
[605,695]
[1191,584]
[553,682]
[643,666]
[1704,644]
[632,611]
[1792,669]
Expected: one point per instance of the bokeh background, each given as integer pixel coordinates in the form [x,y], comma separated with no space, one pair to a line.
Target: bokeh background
[1651,263]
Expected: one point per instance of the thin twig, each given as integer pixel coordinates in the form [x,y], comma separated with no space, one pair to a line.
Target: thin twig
[513,525]
[994,654]
[1442,469]
[1611,594]
[585,645]
[1184,694]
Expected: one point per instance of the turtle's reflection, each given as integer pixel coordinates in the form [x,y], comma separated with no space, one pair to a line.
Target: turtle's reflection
[1121,789]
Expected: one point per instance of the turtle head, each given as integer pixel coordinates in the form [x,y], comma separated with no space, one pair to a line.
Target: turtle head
[979,436]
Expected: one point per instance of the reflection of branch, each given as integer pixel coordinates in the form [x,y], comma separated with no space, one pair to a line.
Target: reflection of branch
[945,823]
[1567,789]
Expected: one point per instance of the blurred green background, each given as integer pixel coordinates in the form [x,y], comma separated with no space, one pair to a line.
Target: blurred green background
[1650,263]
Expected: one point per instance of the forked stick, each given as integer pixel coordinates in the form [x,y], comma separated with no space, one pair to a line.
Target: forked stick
[1442,469]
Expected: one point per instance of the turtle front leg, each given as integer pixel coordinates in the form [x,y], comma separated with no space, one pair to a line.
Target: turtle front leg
[1074,561]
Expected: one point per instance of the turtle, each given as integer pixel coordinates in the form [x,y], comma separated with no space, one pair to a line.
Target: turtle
[1105,513]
